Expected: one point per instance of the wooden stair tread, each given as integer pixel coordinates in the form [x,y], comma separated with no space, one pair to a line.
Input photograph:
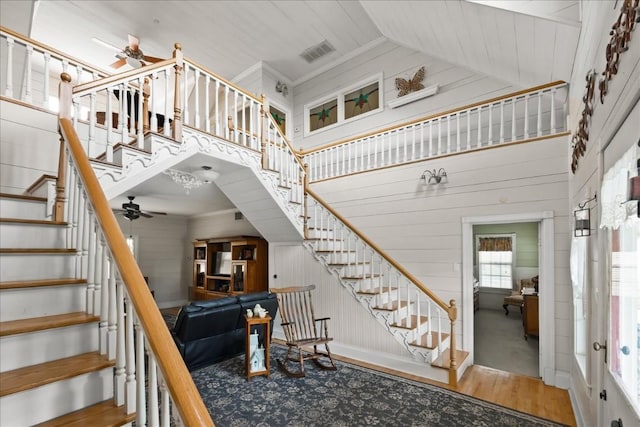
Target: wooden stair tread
[362,276]
[422,341]
[33,221]
[392,307]
[13,327]
[444,362]
[375,291]
[105,414]
[50,251]
[23,197]
[41,283]
[34,376]
[413,323]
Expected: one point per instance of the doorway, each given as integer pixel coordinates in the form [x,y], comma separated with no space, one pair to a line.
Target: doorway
[546,288]
[505,267]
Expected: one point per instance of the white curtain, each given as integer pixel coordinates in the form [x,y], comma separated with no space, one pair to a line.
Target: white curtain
[615,192]
[578,267]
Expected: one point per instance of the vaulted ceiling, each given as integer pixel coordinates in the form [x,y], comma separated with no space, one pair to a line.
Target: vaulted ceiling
[524,42]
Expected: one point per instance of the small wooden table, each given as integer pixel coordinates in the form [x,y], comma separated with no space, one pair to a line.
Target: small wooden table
[254,321]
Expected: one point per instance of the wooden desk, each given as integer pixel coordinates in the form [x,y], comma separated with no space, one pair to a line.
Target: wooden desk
[530,315]
[254,321]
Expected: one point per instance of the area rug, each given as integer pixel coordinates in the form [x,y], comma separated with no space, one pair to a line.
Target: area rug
[350,396]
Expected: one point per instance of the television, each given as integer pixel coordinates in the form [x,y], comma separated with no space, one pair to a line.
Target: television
[223,264]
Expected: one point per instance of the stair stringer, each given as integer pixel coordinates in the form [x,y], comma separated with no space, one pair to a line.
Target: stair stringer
[384,318]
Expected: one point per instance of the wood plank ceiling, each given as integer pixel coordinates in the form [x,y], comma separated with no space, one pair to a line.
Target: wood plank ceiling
[522,42]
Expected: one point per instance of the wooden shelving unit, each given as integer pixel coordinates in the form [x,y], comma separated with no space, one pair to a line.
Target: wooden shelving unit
[229,266]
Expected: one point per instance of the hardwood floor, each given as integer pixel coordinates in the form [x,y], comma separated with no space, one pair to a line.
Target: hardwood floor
[519,392]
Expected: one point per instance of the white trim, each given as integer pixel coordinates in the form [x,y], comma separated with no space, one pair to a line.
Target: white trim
[546,284]
[415,96]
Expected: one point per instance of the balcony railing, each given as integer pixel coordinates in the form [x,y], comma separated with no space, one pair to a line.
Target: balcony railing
[521,116]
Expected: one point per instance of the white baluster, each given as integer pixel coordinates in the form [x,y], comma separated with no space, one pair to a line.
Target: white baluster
[430,138]
[98,261]
[217,109]
[448,134]
[468,129]
[207,117]
[236,124]
[153,391]
[185,95]
[502,121]
[404,146]
[92,122]
[165,416]
[196,101]
[91,271]
[130,363]
[113,312]
[122,116]
[103,326]
[140,112]
[119,370]
[27,95]
[45,91]
[479,126]
[526,116]
[8,90]
[109,123]
[539,126]
[226,112]
[553,111]
[65,66]
[141,394]
[458,132]
[439,136]
[154,107]
[513,119]
[421,155]
[165,125]
[490,142]
[429,342]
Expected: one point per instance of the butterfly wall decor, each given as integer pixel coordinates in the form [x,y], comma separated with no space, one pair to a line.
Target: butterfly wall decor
[414,84]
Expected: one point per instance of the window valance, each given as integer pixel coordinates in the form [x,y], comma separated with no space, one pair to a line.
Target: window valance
[494,244]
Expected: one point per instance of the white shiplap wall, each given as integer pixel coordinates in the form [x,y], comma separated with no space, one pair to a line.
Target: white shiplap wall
[457,87]
[623,94]
[420,226]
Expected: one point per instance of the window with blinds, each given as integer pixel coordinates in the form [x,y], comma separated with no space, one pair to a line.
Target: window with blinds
[495,255]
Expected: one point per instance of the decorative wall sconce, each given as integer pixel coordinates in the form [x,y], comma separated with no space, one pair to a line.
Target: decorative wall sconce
[582,216]
[439,177]
[282,88]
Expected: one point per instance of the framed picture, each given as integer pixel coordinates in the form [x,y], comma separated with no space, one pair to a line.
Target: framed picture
[323,115]
[362,100]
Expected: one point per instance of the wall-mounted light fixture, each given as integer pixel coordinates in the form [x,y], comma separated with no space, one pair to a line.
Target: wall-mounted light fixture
[433,177]
[282,88]
[582,216]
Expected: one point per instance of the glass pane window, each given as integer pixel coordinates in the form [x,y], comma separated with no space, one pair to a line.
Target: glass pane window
[495,269]
[624,308]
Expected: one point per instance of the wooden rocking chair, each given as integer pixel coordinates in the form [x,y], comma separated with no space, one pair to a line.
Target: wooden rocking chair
[301,330]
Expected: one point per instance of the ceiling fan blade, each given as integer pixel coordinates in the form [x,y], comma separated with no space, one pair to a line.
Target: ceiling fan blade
[119,63]
[155,213]
[134,43]
[146,215]
[152,59]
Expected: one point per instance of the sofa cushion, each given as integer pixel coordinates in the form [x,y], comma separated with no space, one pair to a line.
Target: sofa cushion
[213,303]
[253,297]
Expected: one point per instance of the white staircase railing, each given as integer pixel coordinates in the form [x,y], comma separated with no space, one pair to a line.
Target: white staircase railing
[534,113]
[29,70]
[150,376]
[420,320]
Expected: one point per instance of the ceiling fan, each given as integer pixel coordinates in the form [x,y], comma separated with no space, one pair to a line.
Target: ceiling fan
[131,54]
[132,210]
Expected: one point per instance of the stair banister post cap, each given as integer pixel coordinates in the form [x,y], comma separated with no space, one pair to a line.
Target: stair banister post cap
[65,77]
[177,46]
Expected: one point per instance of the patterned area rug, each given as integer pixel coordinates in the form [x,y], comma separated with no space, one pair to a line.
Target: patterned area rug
[350,396]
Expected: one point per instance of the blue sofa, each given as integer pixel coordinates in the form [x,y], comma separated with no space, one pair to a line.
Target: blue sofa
[210,331]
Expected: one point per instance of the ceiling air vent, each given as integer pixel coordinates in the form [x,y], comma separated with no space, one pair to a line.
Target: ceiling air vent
[317,51]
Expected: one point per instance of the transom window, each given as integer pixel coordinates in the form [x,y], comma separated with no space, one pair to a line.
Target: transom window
[495,260]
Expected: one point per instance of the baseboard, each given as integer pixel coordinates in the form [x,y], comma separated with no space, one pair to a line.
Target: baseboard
[384,360]
[577,413]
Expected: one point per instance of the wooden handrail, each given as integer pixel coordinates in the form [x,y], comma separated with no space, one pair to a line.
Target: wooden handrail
[433,116]
[188,401]
[52,50]
[451,312]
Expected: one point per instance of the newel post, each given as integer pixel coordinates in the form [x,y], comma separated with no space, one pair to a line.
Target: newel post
[263,140]
[177,99]
[453,366]
[146,90]
[64,112]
